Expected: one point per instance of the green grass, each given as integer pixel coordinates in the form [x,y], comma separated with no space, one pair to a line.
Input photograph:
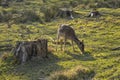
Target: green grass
[100,37]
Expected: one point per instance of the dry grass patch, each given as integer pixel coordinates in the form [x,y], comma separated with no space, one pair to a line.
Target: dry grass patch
[76,73]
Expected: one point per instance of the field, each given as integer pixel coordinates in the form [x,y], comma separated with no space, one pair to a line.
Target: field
[101,60]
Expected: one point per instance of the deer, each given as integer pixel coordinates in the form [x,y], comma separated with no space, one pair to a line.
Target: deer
[67,32]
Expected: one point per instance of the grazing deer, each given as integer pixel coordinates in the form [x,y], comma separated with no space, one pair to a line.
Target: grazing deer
[67,32]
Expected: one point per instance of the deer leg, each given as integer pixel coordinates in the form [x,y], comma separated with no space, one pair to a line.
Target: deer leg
[73,45]
[56,44]
[65,43]
[61,42]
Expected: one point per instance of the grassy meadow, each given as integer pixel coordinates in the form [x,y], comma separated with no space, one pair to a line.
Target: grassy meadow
[101,60]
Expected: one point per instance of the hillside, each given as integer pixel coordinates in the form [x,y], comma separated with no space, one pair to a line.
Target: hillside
[31,20]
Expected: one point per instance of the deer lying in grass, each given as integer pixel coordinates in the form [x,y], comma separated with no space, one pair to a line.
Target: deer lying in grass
[66,32]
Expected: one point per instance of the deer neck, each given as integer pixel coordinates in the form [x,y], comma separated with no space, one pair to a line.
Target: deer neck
[76,40]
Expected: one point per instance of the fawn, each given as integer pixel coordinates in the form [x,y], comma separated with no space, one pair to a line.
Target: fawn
[66,32]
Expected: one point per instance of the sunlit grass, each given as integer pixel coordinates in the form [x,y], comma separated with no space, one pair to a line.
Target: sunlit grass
[100,37]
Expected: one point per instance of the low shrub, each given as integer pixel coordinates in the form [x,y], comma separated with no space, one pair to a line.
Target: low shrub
[28,16]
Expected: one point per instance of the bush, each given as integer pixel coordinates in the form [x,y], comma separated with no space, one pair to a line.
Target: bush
[74,3]
[29,15]
[109,4]
[5,16]
[49,12]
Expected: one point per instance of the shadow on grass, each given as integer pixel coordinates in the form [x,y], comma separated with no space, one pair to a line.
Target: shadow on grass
[39,68]
[84,57]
